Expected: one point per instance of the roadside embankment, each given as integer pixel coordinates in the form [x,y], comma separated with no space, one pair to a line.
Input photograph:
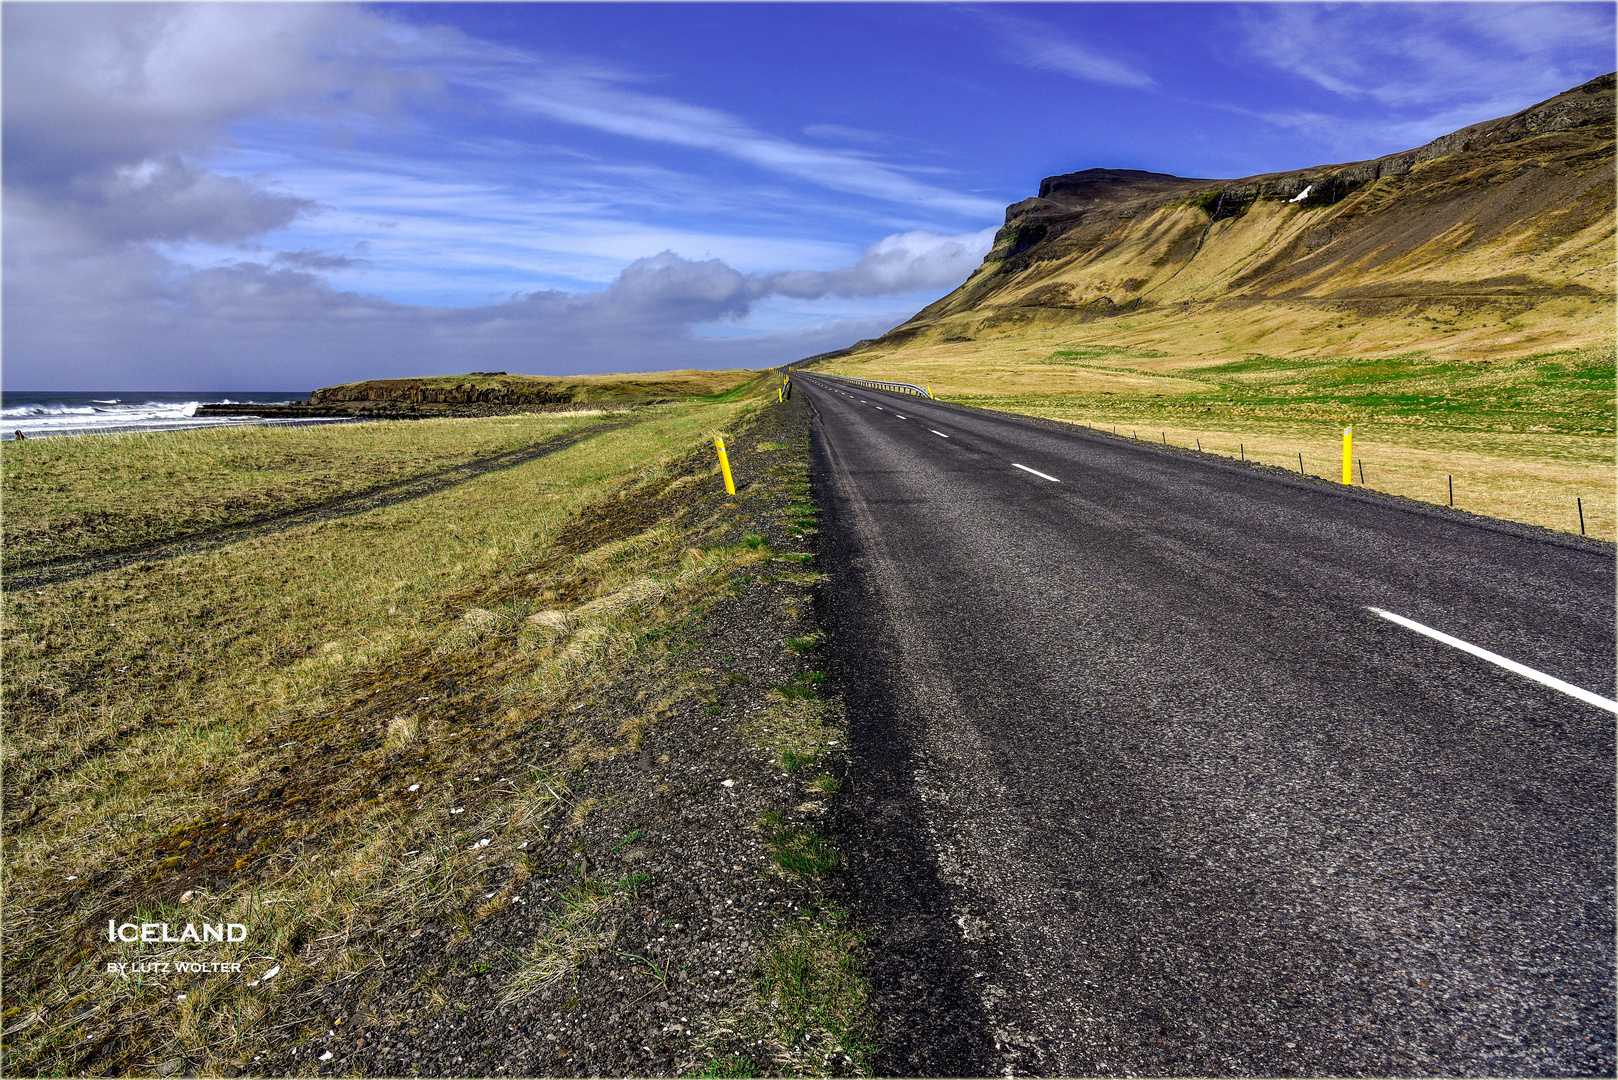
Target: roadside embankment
[526,775]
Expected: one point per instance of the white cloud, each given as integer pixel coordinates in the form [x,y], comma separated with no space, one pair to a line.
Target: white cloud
[110,109]
[139,318]
[252,326]
[170,200]
[88,88]
[143,248]
[600,101]
[458,228]
[1426,56]
[895,264]
[1038,45]
[843,133]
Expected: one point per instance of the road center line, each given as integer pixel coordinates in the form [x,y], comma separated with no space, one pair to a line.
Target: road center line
[1495,658]
[900,417]
[1036,472]
[940,434]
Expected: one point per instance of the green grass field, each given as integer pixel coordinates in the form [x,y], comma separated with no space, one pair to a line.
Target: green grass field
[79,496]
[1567,393]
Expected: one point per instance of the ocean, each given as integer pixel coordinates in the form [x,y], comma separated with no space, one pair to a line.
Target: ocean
[36,414]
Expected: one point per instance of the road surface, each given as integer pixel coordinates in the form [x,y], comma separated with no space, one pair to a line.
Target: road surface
[1143,785]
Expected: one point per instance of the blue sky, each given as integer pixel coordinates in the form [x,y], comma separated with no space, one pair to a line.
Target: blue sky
[266,196]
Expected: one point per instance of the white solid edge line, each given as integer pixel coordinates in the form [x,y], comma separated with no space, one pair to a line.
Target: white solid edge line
[1495,658]
[940,434]
[1037,473]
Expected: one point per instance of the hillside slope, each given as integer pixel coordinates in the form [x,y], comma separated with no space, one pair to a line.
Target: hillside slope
[1496,238]
[1453,303]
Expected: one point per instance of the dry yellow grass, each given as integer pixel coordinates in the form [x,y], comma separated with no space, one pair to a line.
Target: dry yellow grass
[75,496]
[1533,478]
[241,736]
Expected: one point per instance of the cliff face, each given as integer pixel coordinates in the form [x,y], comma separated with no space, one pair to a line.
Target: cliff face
[1503,221]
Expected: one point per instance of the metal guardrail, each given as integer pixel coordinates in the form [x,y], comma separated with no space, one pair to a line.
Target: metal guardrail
[878,384]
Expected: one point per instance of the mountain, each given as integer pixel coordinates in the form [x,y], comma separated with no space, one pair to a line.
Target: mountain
[1496,238]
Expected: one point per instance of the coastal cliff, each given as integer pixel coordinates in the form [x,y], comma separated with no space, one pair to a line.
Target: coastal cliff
[489,390]
[484,393]
[477,388]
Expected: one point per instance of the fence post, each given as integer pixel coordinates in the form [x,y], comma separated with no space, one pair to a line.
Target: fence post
[724,464]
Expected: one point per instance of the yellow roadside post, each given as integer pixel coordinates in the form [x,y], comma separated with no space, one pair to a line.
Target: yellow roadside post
[724,464]
[1348,455]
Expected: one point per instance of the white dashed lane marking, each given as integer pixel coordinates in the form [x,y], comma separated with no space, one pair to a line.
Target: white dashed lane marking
[940,434]
[1037,473]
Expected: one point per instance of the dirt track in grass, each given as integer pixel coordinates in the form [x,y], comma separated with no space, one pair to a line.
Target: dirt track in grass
[50,571]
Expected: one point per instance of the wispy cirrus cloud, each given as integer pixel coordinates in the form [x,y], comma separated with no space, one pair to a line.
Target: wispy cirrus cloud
[1408,73]
[603,101]
[1369,137]
[844,133]
[1037,44]
[1431,56]
[478,222]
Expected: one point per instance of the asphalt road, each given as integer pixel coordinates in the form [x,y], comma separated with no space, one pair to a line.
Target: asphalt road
[1141,786]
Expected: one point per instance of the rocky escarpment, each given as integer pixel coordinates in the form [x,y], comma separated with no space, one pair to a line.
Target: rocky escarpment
[1507,214]
[479,388]
[1069,196]
[483,393]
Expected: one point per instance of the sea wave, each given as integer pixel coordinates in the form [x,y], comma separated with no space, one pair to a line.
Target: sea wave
[84,416]
[149,410]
